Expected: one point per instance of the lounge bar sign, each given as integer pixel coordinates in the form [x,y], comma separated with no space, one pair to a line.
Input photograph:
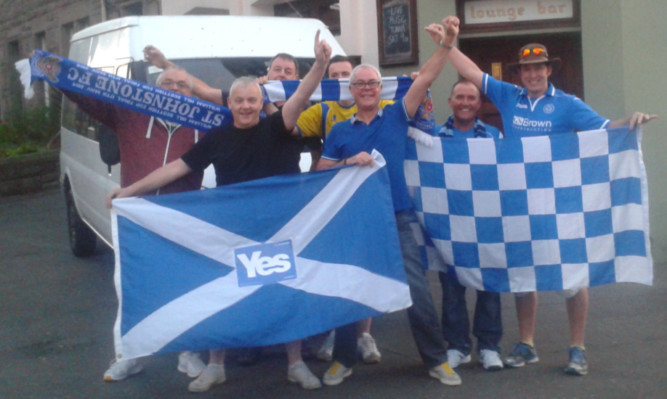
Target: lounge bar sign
[504,11]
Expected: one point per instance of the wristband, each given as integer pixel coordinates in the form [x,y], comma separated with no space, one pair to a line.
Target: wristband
[447,46]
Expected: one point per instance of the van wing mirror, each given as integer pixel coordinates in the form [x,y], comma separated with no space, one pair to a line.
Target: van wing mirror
[109,149]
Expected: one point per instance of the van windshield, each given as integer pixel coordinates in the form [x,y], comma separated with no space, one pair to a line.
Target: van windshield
[221,72]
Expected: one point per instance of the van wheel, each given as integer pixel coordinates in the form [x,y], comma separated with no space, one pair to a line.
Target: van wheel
[82,240]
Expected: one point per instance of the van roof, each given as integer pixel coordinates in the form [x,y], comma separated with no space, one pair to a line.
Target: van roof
[212,36]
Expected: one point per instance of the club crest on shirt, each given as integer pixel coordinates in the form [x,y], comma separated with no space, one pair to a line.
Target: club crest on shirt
[549,109]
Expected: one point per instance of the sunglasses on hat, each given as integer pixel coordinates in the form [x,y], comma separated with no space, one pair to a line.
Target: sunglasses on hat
[535,51]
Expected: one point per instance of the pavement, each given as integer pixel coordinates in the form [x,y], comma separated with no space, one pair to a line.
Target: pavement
[57,313]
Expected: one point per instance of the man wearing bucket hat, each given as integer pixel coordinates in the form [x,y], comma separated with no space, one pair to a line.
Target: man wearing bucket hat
[557,113]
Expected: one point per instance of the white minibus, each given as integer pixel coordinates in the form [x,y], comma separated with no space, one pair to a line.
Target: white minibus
[216,49]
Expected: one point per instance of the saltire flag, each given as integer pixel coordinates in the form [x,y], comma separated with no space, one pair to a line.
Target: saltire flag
[256,263]
[72,76]
[535,213]
[393,88]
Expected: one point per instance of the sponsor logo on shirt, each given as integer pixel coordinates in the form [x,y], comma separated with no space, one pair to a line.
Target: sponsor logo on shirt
[527,124]
[265,263]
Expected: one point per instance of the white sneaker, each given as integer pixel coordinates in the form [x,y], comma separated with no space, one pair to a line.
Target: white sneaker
[300,373]
[121,369]
[369,351]
[445,374]
[336,374]
[455,358]
[190,363]
[213,374]
[490,360]
[325,353]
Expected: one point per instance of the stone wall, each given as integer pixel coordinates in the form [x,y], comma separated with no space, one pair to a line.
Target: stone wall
[49,24]
[29,24]
[29,173]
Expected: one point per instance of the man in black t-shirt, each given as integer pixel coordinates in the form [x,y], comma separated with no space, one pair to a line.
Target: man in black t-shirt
[249,148]
[245,150]
[281,67]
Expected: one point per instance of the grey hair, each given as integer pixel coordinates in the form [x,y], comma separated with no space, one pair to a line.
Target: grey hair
[244,81]
[364,66]
[176,67]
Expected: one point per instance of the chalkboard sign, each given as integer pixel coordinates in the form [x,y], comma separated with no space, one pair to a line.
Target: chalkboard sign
[397,31]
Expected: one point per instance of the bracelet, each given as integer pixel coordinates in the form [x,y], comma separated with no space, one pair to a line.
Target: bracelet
[447,46]
[345,161]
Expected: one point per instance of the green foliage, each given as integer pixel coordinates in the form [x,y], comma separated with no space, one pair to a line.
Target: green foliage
[22,149]
[28,130]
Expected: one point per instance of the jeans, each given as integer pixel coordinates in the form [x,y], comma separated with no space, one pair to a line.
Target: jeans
[487,325]
[422,315]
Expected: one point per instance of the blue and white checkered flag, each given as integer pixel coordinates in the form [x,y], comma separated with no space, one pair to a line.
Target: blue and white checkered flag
[535,213]
[256,263]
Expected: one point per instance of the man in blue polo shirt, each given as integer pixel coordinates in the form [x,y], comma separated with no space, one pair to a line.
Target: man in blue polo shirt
[385,130]
[536,109]
[465,102]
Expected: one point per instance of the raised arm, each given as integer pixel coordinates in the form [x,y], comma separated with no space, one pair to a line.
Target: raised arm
[464,65]
[637,118]
[199,87]
[154,180]
[153,55]
[298,101]
[431,69]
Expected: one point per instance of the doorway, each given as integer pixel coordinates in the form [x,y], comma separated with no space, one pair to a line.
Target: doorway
[497,52]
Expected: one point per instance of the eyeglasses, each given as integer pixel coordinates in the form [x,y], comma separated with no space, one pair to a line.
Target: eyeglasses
[535,51]
[370,84]
[167,84]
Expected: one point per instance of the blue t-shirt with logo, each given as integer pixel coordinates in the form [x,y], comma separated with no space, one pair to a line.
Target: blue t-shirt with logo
[553,113]
[387,133]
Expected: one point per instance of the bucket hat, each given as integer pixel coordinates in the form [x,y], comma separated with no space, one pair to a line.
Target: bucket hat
[533,53]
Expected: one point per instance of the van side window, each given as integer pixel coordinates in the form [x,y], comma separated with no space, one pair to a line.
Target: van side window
[123,71]
[77,121]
